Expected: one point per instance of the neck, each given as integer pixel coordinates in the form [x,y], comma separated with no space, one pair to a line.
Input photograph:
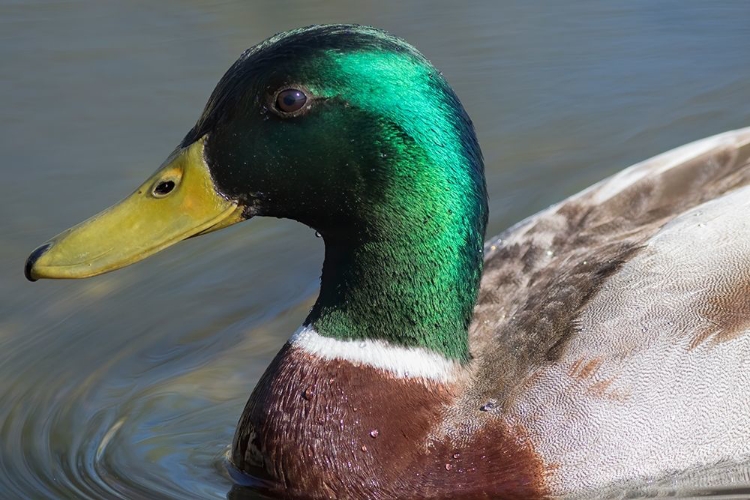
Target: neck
[408,272]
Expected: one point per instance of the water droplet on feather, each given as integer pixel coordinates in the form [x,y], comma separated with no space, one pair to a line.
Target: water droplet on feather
[489,405]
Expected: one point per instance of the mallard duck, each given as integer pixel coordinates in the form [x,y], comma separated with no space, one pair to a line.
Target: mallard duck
[600,342]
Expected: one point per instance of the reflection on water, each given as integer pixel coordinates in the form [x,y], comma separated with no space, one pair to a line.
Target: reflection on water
[131,384]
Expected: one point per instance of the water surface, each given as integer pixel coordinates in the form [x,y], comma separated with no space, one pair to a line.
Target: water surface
[130,384]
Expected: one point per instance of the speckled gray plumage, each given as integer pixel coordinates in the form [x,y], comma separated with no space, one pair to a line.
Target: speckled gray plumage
[630,295]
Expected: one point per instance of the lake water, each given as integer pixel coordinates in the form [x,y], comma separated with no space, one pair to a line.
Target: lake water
[130,384]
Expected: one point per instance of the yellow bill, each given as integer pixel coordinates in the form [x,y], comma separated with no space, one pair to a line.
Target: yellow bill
[177,202]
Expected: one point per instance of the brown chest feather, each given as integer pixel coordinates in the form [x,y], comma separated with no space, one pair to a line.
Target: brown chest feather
[328,429]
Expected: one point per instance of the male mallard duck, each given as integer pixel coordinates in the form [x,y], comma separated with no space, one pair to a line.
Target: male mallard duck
[606,342]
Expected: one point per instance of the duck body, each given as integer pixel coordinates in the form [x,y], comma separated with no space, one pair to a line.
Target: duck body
[635,289]
[605,343]
[609,349]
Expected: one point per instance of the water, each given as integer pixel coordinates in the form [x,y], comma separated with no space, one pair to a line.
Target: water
[130,384]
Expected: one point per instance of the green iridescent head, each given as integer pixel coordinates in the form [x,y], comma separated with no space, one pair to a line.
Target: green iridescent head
[353,132]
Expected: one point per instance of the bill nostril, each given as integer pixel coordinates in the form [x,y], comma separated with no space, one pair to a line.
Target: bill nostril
[163,188]
[32,260]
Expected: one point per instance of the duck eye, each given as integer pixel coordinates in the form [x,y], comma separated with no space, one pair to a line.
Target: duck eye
[163,188]
[290,100]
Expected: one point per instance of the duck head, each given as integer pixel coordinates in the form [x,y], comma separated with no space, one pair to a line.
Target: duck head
[343,128]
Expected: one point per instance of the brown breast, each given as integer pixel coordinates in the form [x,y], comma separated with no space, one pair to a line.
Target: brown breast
[328,429]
